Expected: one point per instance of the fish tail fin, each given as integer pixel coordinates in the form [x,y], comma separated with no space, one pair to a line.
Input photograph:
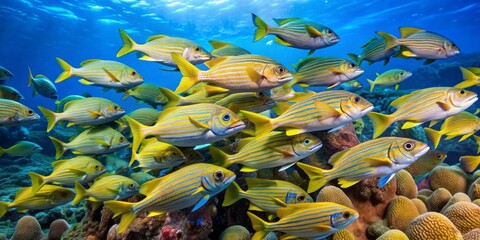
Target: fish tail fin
[380,122]
[263,125]
[37,181]
[124,209]
[128,44]
[469,79]
[138,132]
[391,41]
[356,58]
[433,135]
[126,95]
[318,176]
[232,194]
[51,116]
[469,163]
[134,157]
[2,151]
[173,98]
[80,193]
[259,225]
[30,77]
[189,72]
[262,28]
[59,147]
[67,70]
[477,141]
[372,84]
[220,158]
[4,208]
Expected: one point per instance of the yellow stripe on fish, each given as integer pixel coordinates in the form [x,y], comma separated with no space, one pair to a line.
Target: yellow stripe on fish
[157,155]
[374,51]
[253,102]
[381,157]
[201,96]
[463,124]
[392,77]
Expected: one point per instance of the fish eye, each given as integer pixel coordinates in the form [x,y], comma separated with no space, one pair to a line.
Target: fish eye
[280,70]
[462,92]
[401,74]
[64,194]
[197,49]
[261,94]
[300,198]
[409,146]
[346,215]
[131,185]
[122,139]
[351,65]
[174,153]
[306,141]
[439,155]
[218,175]
[329,31]
[356,99]
[97,167]
[226,117]
[134,73]
[29,112]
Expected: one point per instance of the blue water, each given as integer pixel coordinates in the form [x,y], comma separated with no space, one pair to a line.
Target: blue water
[33,33]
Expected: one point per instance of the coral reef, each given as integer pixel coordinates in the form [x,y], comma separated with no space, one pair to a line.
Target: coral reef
[393,235]
[437,200]
[406,184]
[464,215]
[452,178]
[27,228]
[339,140]
[457,197]
[400,212]
[235,232]
[432,226]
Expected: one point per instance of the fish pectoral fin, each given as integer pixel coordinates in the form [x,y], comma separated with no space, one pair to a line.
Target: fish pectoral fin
[155,213]
[344,183]
[248,169]
[335,70]
[282,42]
[69,124]
[22,210]
[288,237]
[254,207]
[294,131]
[322,228]
[201,202]
[335,129]
[303,85]
[311,52]
[283,150]
[465,137]
[94,114]
[77,171]
[433,122]
[408,53]
[145,57]
[199,190]
[85,82]
[253,75]
[410,124]
[102,142]
[428,61]
[326,111]
[313,32]
[444,106]
[382,181]
[333,85]
[377,162]
[285,167]
[113,190]
[397,86]
[198,124]
[112,77]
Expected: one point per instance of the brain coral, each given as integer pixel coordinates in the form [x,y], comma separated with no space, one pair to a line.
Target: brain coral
[457,197]
[464,215]
[235,232]
[451,178]
[432,226]
[420,205]
[474,190]
[335,195]
[405,184]
[393,234]
[400,212]
[472,235]
[437,200]
[27,228]
[343,235]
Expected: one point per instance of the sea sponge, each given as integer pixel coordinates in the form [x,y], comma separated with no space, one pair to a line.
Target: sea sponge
[405,184]
[335,195]
[235,232]
[393,234]
[343,235]
[57,228]
[400,212]
[464,215]
[474,190]
[452,178]
[437,200]
[421,207]
[432,226]
[472,235]
[457,197]
[27,228]
[377,229]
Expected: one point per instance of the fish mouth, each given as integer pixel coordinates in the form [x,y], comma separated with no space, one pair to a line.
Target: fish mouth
[316,146]
[408,75]
[422,152]
[363,112]
[237,126]
[228,181]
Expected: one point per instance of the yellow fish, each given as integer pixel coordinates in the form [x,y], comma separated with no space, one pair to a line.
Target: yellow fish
[67,172]
[469,163]
[157,155]
[423,105]
[251,101]
[85,111]
[306,220]
[392,77]
[159,47]
[21,148]
[145,116]
[49,196]
[374,51]
[13,113]
[381,157]
[200,96]
[243,73]
[192,185]
[464,123]
[147,92]
[426,163]
[222,49]
[104,73]
[469,78]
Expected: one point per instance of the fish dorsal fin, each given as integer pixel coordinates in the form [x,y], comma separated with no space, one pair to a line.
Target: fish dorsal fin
[41,76]
[58,163]
[257,182]
[336,157]
[284,150]
[246,168]
[397,102]
[214,62]
[218,44]
[156,37]
[198,123]
[149,186]
[282,42]
[366,44]
[313,32]
[113,78]
[165,113]
[407,31]
[304,61]
[89,61]
[282,21]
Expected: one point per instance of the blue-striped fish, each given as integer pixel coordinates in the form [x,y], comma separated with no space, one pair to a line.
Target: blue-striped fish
[463,124]
[374,51]
[11,93]
[21,148]
[429,104]
[188,126]
[243,73]
[262,194]
[157,155]
[297,33]
[306,220]
[200,96]
[324,71]
[470,78]
[109,187]
[252,101]
[158,48]
[392,77]
[419,43]
[103,73]
[189,186]
[49,196]
[85,111]
[13,113]
[222,49]
[42,85]
[381,157]
[469,163]
[60,104]
[141,177]
[148,93]
[97,140]
[67,172]
[320,111]
[5,74]
[272,150]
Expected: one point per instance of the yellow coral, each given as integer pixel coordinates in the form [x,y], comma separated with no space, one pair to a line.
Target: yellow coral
[432,226]
[420,205]
[393,235]
[464,215]
[451,178]
[335,195]
[438,199]
[474,190]
[458,197]
[405,184]
[343,235]
[400,212]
